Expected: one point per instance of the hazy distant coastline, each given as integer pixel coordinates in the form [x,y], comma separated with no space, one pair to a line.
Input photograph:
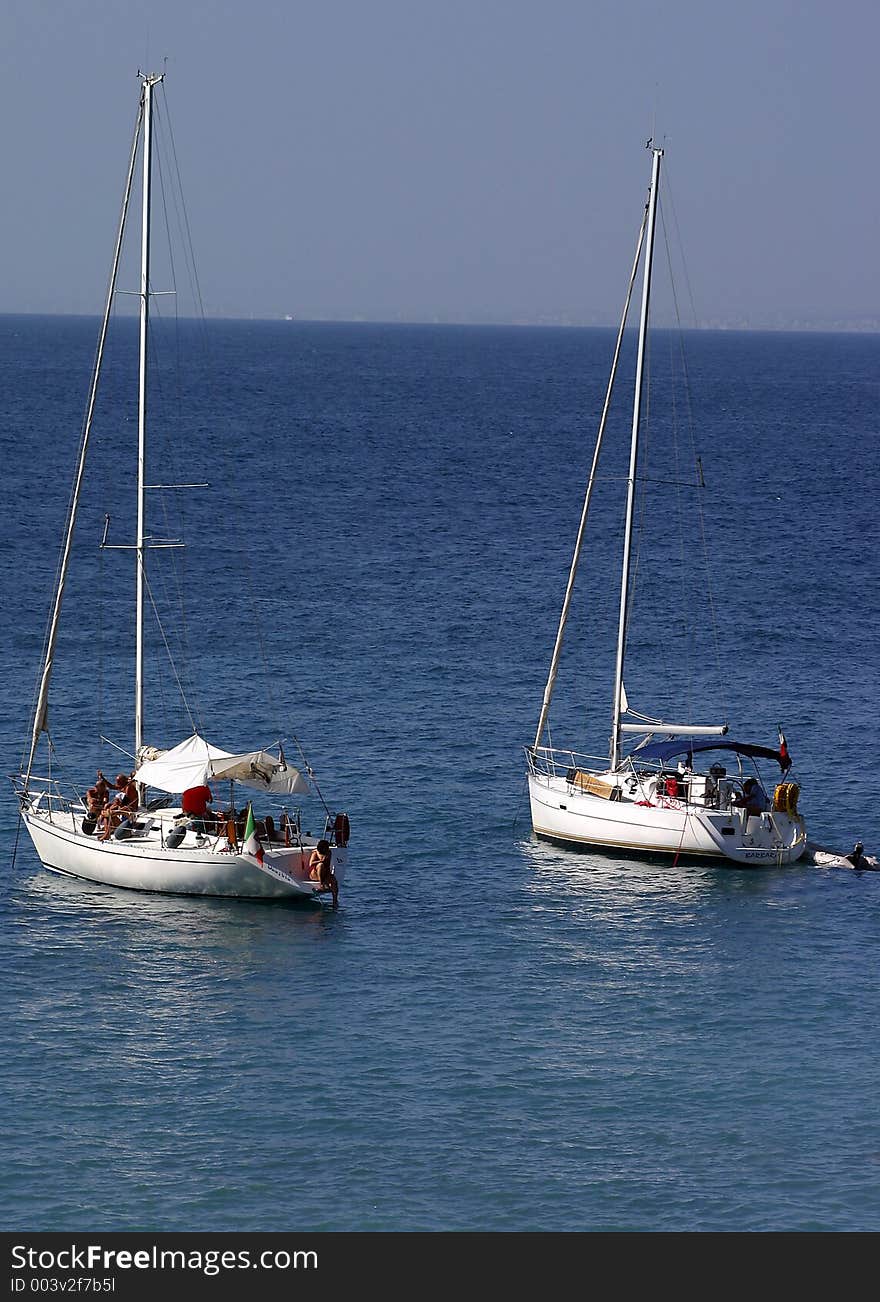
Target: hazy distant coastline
[794,325]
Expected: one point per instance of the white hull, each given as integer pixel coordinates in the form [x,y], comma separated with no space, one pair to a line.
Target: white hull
[563,814]
[143,863]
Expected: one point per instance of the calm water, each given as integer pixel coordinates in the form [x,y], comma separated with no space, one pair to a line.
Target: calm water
[490,1034]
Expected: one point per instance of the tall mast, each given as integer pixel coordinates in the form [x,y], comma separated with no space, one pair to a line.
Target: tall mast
[572,574]
[633,462]
[41,709]
[149,81]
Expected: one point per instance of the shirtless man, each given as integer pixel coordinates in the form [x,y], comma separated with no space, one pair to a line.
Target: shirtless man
[96,799]
[126,803]
[96,796]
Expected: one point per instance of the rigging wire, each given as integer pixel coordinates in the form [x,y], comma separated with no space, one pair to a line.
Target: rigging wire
[183,224]
[680,484]
[85,431]
[170,656]
[311,776]
[519,803]
[680,247]
[177,566]
[591,481]
[641,528]
[173,198]
[697,461]
[189,253]
[688,627]
[102,596]
[179,659]
[18,823]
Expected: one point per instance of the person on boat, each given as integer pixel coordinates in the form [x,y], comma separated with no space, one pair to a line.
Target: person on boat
[96,796]
[753,800]
[194,802]
[95,800]
[713,785]
[110,819]
[321,870]
[858,859]
[672,787]
[122,806]
[128,792]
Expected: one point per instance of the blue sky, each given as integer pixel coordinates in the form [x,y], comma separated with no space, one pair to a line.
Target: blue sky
[478,161]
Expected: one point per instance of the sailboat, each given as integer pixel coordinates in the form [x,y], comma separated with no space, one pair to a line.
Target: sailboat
[156,842]
[672,789]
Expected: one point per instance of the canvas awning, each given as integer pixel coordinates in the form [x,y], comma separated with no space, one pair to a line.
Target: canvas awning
[195,762]
[666,750]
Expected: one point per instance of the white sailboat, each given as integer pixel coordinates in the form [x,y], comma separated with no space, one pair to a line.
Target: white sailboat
[158,846]
[678,789]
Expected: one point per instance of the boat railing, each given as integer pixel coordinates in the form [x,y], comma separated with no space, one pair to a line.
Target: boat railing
[47,793]
[650,781]
[549,761]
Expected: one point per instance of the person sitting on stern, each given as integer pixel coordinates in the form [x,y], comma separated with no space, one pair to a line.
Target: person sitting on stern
[753,801]
[321,870]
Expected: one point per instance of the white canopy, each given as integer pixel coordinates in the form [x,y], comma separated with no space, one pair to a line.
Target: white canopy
[195,762]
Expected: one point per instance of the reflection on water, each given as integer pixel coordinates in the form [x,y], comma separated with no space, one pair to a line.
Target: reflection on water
[189,918]
[174,959]
[144,1021]
[589,873]
[640,918]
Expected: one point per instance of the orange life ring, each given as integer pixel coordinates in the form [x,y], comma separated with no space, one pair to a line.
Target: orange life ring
[341,829]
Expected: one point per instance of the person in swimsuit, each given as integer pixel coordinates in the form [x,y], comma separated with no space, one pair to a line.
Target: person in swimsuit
[125,804]
[321,870]
[96,796]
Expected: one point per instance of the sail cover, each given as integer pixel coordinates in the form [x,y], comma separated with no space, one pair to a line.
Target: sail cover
[195,762]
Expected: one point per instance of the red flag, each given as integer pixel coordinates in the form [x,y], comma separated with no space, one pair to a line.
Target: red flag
[784,757]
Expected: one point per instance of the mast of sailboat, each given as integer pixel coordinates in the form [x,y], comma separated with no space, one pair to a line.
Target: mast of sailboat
[614,753]
[149,81]
[579,541]
[41,709]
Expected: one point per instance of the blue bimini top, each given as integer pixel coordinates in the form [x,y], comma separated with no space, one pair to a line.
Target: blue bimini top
[673,746]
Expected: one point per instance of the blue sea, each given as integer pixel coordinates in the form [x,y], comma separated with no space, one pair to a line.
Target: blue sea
[490,1034]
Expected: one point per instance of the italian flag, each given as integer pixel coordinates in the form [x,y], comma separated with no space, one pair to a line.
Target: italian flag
[252,848]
